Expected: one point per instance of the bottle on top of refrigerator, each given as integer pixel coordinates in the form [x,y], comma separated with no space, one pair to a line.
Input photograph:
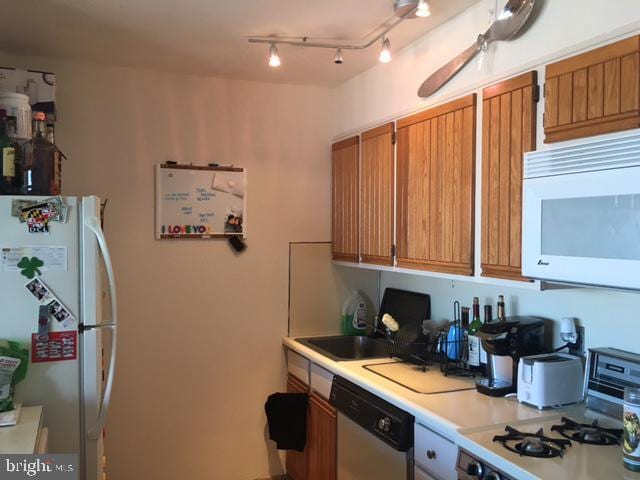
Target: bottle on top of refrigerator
[12,132]
[354,315]
[57,157]
[39,167]
[7,159]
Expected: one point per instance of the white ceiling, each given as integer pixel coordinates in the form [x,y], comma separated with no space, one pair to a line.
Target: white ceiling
[208,37]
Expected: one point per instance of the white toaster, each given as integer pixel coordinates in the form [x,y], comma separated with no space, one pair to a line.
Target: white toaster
[550,380]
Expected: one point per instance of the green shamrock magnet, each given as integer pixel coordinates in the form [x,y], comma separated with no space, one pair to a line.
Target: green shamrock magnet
[29,267]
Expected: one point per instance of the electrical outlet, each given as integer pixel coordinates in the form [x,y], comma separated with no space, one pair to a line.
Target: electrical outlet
[578,347]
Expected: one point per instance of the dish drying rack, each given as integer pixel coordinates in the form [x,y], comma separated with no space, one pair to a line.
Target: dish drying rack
[427,348]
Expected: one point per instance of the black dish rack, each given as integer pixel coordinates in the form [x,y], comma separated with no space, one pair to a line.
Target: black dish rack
[433,349]
[413,345]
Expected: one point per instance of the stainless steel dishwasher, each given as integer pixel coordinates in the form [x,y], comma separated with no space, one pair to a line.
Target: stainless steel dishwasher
[375,438]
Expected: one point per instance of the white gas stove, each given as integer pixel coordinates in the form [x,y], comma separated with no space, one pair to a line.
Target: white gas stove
[582,443]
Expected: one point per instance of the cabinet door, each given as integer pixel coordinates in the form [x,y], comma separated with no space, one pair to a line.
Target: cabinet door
[435,188]
[297,462]
[322,453]
[593,93]
[345,158]
[508,130]
[376,224]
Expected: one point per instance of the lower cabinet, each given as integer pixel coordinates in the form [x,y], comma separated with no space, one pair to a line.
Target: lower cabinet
[318,461]
[322,439]
[296,462]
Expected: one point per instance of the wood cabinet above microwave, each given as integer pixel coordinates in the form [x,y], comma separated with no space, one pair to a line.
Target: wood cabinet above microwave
[593,93]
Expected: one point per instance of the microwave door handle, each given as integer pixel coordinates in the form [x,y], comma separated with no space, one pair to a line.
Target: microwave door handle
[94,225]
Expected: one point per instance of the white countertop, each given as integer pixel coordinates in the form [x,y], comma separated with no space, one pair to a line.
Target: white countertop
[23,437]
[446,413]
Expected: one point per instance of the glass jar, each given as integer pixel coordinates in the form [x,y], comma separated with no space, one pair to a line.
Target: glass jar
[631,432]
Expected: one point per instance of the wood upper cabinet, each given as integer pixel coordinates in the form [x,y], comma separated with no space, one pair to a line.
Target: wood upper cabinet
[593,93]
[345,158]
[322,440]
[377,184]
[435,188]
[508,131]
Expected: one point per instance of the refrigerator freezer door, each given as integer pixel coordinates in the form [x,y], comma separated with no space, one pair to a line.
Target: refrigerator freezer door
[54,385]
[96,392]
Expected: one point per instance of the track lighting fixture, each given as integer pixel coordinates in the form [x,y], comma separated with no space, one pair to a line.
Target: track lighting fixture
[274,56]
[422,9]
[385,53]
[402,9]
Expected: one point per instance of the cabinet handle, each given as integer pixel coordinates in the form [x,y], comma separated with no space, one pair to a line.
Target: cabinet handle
[431,454]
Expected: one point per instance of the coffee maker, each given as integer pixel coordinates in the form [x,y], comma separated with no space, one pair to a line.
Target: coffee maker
[505,342]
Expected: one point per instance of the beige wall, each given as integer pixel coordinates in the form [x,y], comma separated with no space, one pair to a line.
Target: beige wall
[201,329]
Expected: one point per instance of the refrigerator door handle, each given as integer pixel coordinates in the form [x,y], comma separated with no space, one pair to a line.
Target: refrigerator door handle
[94,225]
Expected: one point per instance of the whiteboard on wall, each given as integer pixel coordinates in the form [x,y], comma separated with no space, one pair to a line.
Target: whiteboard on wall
[200,202]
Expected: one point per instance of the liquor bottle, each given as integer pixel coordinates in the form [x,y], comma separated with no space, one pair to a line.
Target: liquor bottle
[488,315]
[474,341]
[39,162]
[7,159]
[464,321]
[501,314]
[57,161]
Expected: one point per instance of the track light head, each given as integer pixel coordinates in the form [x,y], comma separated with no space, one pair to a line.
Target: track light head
[338,60]
[274,56]
[385,53]
[422,9]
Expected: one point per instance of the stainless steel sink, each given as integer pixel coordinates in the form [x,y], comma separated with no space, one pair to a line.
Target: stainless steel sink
[347,347]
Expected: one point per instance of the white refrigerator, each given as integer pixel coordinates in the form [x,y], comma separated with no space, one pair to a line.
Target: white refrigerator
[77,270]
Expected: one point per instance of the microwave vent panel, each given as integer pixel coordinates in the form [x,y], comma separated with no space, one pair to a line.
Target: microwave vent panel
[604,153]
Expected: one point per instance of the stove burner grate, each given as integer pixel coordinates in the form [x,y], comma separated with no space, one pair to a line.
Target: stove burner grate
[532,444]
[590,434]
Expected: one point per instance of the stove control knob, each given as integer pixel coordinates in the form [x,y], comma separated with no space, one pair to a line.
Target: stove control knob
[493,476]
[474,469]
[384,424]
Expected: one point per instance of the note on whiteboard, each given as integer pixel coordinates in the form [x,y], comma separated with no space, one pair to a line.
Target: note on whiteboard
[54,258]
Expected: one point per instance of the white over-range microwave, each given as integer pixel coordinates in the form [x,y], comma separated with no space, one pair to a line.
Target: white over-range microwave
[581,212]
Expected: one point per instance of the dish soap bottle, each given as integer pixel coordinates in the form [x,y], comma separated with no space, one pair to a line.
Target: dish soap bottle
[354,315]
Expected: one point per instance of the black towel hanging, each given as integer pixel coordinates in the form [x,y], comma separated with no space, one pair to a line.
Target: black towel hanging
[287,419]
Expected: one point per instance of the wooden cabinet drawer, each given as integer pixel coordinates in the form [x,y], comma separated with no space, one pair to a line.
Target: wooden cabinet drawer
[435,454]
[298,366]
[321,380]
